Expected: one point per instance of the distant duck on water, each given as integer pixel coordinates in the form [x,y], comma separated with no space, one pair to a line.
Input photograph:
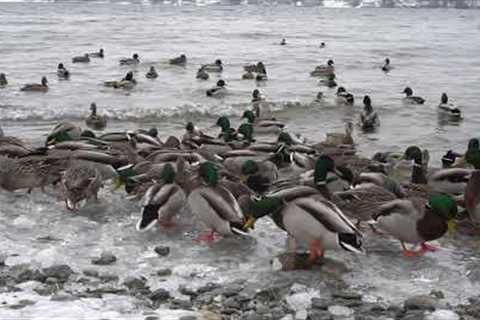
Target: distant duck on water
[369,118]
[95,121]
[410,98]
[283,42]
[81,59]
[40,87]
[152,73]
[217,91]
[3,80]
[344,97]
[448,108]
[179,61]
[324,70]
[98,54]
[202,74]
[62,72]
[386,67]
[214,67]
[135,59]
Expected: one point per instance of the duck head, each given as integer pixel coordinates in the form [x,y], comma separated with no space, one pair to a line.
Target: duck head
[323,166]
[246,130]
[256,94]
[256,209]
[387,61]
[414,153]
[285,138]
[249,167]
[444,205]
[341,90]
[129,76]
[208,173]
[473,144]
[283,42]
[135,56]
[473,153]
[444,98]
[330,62]
[221,83]
[249,115]
[223,123]
[44,81]
[123,178]
[101,52]
[153,132]
[218,62]
[60,66]
[3,78]
[152,69]
[408,91]
[190,127]
[320,95]
[93,108]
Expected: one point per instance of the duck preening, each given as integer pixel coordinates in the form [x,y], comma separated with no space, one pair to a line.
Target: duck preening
[369,118]
[344,97]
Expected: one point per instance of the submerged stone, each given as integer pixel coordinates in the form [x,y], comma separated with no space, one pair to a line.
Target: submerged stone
[106,258]
[420,302]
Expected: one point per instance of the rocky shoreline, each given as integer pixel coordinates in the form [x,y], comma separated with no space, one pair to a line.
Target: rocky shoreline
[240,299]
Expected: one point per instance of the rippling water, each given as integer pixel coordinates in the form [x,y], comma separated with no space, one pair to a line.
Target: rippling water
[433,51]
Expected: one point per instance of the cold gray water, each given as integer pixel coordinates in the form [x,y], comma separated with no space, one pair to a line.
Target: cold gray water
[433,51]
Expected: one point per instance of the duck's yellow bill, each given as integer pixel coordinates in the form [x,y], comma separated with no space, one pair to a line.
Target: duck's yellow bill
[250,223]
[452,227]
[243,178]
[117,183]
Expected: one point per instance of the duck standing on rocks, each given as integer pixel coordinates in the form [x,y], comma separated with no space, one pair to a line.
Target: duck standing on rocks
[369,118]
[99,54]
[152,73]
[62,72]
[387,67]
[179,61]
[410,98]
[449,108]
[39,87]
[3,80]
[130,61]
[218,91]
[215,67]
[81,59]
[95,121]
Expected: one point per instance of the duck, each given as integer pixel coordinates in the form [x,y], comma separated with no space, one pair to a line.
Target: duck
[215,205]
[81,181]
[64,131]
[179,61]
[3,80]
[369,118]
[344,97]
[283,42]
[449,159]
[215,67]
[322,45]
[472,197]
[128,82]
[261,72]
[417,221]
[202,74]
[339,139]
[312,220]
[447,108]
[81,59]
[130,61]
[152,73]
[62,72]
[41,87]
[318,97]
[262,126]
[410,98]
[329,81]
[95,121]
[162,201]
[472,156]
[218,91]
[386,67]
[99,54]
[248,76]
[324,70]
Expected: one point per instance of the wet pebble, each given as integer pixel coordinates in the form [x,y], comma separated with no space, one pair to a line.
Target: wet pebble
[188,318]
[413,315]
[61,271]
[319,315]
[187,291]
[106,258]
[22,304]
[160,295]
[108,277]
[437,294]
[135,283]
[63,297]
[152,318]
[164,272]
[23,272]
[443,315]
[208,287]
[340,311]
[90,273]
[321,304]
[162,251]
[181,304]
[347,295]
[420,302]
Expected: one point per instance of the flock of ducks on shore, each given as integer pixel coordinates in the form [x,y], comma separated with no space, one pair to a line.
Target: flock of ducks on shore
[321,193]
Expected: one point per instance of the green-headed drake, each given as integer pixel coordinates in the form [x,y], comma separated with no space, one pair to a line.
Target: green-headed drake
[263,126]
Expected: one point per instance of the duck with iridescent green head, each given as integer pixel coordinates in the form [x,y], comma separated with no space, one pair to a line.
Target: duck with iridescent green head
[263,126]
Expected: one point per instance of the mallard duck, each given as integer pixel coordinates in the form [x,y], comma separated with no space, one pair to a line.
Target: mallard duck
[417,221]
[81,181]
[472,197]
[261,72]
[216,207]
[322,45]
[152,73]
[258,174]
[215,67]
[162,201]
[387,67]
[3,80]
[202,74]
[410,98]
[368,119]
[329,81]
[337,139]
[311,220]
[81,59]
[343,97]
[179,61]
[62,72]
[99,54]
[42,87]
[218,91]
[449,108]
[325,70]
[263,126]
[130,61]
[64,131]
[95,121]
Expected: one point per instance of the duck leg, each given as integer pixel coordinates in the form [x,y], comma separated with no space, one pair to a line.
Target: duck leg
[427,247]
[316,251]
[407,252]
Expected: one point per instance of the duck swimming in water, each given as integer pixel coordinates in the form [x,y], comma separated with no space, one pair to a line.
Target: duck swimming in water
[202,74]
[261,72]
[344,97]
[410,98]
[130,61]
[41,87]
[386,67]
[283,42]
[215,67]
[449,108]
[217,91]
[322,45]
[62,72]
[329,81]
[3,80]
[369,118]
[325,70]
[248,76]
[95,121]
[179,61]
[98,54]
[152,73]
[81,59]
